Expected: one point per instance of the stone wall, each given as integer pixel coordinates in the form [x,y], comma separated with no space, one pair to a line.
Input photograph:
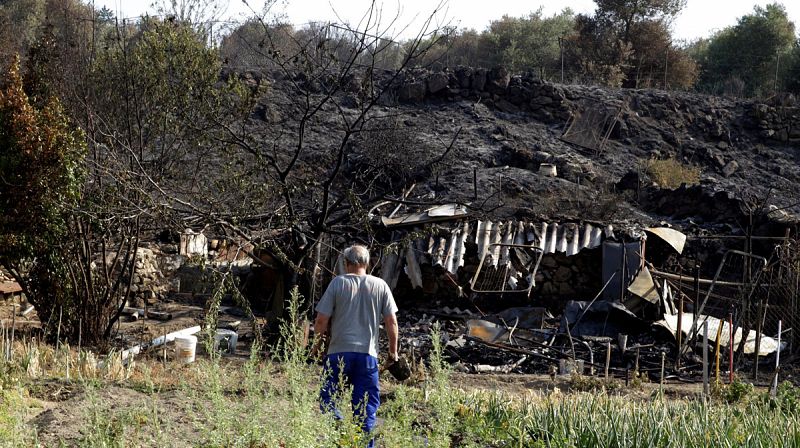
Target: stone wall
[154,276]
[496,88]
[777,122]
[714,118]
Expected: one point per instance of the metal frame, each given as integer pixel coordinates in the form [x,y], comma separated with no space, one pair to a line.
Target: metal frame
[532,271]
[751,285]
[600,129]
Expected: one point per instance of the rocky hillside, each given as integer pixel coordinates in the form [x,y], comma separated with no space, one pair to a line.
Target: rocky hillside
[506,126]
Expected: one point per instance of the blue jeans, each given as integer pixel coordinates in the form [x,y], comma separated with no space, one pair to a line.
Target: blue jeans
[361,371]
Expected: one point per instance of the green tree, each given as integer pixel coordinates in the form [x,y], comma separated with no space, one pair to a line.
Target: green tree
[744,59]
[595,54]
[624,15]
[530,43]
[20,21]
[146,99]
[628,43]
[791,76]
[41,157]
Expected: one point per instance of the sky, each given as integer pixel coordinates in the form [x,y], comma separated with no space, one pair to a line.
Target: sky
[700,18]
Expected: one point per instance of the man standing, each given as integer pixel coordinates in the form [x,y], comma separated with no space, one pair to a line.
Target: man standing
[349,316]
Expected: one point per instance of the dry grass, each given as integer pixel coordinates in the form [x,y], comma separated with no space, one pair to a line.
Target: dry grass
[670,173]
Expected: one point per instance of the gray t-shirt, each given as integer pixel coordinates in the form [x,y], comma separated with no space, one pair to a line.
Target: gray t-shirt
[357,304]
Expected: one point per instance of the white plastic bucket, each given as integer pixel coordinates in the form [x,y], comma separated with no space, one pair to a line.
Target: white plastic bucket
[225,341]
[185,348]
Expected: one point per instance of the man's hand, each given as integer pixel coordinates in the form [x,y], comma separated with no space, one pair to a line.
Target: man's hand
[392,330]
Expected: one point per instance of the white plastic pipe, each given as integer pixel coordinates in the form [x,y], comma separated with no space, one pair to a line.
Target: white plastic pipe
[161,340]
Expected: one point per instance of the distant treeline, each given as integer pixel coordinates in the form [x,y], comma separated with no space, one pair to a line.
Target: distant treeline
[626,43]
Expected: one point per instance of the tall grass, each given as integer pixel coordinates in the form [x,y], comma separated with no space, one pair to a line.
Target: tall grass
[274,403]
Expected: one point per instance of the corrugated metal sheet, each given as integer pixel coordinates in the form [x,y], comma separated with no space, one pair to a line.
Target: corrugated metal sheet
[567,238]
[449,250]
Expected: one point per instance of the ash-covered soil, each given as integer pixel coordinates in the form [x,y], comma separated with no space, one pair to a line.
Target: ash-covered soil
[501,131]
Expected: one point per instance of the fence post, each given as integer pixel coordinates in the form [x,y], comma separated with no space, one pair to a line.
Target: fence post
[705,358]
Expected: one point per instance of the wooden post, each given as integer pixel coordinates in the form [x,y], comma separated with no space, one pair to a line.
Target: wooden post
[663,358]
[696,285]
[636,364]
[679,330]
[475,183]
[5,345]
[13,330]
[608,357]
[165,347]
[730,350]
[622,280]
[717,348]
[705,358]
[58,331]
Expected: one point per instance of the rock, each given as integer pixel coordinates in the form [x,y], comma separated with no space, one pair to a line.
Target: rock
[719,160]
[630,181]
[730,168]
[566,290]
[437,82]
[562,274]
[518,95]
[572,171]
[549,262]
[353,84]
[479,79]
[497,80]
[541,156]
[541,100]
[413,92]
[464,76]
[723,145]
[506,106]
[350,102]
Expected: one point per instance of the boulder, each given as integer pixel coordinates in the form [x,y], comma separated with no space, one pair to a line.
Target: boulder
[479,79]
[506,106]
[437,82]
[730,168]
[413,92]
[497,80]
[542,100]
[464,76]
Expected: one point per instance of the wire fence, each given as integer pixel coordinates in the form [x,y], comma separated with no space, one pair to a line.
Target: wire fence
[779,296]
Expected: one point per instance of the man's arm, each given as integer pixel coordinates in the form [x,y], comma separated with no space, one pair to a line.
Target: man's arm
[392,330]
[321,329]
